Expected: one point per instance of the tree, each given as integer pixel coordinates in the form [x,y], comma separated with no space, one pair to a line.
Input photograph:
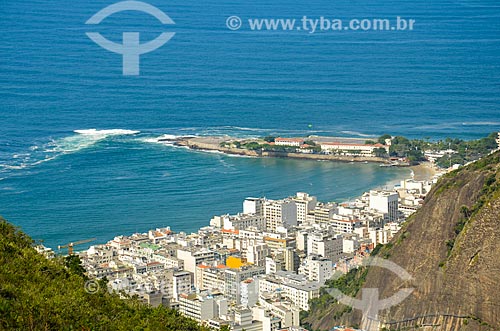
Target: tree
[382,138]
[380,152]
[310,143]
[252,146]
[41,294]
[74,264]
[269,139]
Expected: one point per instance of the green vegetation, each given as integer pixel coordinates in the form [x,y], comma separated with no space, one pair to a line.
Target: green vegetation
[465,150]
[380,152]
[349,284]
[410,149]
[413,151]
[383,138]
[41,294]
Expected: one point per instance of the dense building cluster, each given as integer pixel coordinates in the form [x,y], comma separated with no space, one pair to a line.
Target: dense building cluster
[256,270]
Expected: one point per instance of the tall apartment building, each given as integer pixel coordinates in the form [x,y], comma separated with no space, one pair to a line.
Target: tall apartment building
[305,204]
[256,254]
[326,245]
[292,286]
[385,202]
[254,206]
[233,278]
[322,213]
[273,265]
[317,268]
[276,245]
[182,282]
[291,259]
[249,291]
[238,221]
[344,224]
[200,307]
[301,238]
[210,278]
[280,213]
[193,256]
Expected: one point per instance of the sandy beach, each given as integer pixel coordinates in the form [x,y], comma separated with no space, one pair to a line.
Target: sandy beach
[424,171]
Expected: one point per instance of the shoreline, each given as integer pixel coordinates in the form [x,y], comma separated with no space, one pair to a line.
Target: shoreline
[424,171]
[211,144]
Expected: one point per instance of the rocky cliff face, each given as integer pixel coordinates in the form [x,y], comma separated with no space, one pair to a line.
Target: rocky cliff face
[451,248]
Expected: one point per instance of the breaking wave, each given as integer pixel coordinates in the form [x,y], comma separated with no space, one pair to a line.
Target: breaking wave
[82,139]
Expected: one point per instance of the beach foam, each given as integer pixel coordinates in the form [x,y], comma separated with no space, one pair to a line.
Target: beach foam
[165,139]
[105,133]
[56,147]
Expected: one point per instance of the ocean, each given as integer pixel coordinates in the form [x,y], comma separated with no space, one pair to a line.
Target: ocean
[61,182]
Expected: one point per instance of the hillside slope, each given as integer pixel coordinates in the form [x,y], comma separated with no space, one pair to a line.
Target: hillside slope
[451,249]
[41,294]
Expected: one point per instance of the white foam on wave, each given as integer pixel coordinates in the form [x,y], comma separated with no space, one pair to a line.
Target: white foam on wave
[454,125]
[105,133]
[13,167]
[84,139]
[481,123]
[57,147]
[166,139]
[359,134]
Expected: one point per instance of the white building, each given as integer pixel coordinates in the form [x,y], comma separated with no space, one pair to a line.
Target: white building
[316,268]
[249,291]
[198,307]
[322,213]
[233,279]
[181,283]
[273,265]
[292,286]
[209,278]
[344,224]
[301,238]
[195,256]
[254,206]
[285,310]
[326,245]
[385,202]
[352,149]
[413,186]
[379,236]
[351,243]
[305,204]
[238,221]
[281,213]
[256,254]
[294,142]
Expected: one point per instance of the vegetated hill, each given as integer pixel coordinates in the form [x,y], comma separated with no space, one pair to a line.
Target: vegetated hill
[41,294]
[451,249]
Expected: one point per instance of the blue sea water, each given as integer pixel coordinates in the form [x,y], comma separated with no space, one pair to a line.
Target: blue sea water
[442,79]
